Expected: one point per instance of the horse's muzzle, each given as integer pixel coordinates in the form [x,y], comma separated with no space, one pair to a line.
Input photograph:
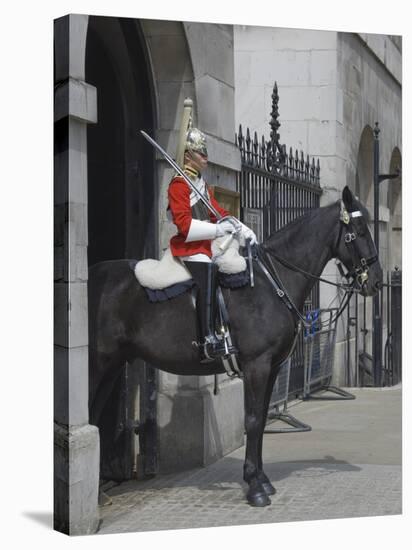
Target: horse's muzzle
[370,289]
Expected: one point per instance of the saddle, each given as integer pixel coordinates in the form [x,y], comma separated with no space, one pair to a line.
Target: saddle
[168,277]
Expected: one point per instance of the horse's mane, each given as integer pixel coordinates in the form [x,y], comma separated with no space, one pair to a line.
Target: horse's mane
[312,214]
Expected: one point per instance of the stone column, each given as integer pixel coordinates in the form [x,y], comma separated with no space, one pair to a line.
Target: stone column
[76,442]
[195,427]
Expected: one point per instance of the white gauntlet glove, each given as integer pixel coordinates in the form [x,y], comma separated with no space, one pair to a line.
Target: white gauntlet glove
[223,228]
[237,227]
[201,230]
[247,233]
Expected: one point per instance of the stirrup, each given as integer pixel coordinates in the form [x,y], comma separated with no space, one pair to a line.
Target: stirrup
[212,349]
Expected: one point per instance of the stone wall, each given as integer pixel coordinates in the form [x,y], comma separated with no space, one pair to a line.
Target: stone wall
[193,60]
[76,443]
[303,63]
[371,87]
[332,86]
[370,82]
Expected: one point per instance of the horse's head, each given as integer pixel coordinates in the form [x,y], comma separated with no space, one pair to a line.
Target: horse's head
[355,247]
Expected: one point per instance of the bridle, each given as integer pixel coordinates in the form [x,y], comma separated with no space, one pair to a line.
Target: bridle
[360,264]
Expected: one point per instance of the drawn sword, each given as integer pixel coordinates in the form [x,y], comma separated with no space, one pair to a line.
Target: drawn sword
[181,173]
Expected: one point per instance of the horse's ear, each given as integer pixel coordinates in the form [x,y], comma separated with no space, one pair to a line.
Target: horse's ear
[347,196]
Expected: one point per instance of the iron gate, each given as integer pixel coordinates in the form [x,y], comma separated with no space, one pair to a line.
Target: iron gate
[391,314]
[275,188]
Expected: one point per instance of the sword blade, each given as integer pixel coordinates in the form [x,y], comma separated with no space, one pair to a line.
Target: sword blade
[181,173]
[249,254]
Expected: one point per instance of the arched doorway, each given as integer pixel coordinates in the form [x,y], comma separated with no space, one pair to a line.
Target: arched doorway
[364,190]
[364,169]
[121,188]
[122,197]
[395,210]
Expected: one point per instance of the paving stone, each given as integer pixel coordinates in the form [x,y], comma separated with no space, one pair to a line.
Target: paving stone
[326,488]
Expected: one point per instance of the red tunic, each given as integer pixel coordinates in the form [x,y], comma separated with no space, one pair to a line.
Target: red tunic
[179,203]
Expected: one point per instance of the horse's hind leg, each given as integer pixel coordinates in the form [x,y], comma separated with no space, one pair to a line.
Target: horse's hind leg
[257,376]
[103,374]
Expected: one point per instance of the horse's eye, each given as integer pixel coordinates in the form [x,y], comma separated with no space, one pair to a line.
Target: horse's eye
[361,229]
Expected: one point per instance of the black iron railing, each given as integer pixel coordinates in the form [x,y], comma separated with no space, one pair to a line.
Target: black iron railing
[275,188]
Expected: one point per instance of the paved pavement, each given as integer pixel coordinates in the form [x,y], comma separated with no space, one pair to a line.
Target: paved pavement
[349,465]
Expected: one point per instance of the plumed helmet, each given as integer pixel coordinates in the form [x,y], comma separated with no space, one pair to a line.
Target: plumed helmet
[196,141]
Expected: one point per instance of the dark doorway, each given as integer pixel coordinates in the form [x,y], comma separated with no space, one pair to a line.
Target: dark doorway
[121,190]
[122,201]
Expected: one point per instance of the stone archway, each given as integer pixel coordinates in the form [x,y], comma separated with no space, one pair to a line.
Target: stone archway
[174,81]
[364,169]
[395,210]
[365,191]
[122,219]
[122,205]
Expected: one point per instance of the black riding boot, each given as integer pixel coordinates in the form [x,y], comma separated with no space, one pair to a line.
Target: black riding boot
[205,275]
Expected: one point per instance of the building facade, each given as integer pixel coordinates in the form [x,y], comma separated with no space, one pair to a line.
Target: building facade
[333,88]
[115,76]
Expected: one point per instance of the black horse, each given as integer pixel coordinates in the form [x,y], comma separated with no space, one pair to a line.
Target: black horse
[125,325]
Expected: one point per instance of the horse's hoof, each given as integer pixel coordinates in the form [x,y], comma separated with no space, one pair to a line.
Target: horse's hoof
[269,489]
[259,499]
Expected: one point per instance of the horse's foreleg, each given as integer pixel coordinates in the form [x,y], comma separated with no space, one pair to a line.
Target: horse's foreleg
[261,476]
[257,375]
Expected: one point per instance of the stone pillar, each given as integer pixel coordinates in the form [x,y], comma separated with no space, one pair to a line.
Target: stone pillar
[76,442]
[194,426]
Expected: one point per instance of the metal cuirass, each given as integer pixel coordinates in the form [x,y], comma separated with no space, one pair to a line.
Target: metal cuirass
[200,212]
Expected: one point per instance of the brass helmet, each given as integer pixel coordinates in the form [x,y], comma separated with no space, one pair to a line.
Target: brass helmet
[196,141]
[190,139]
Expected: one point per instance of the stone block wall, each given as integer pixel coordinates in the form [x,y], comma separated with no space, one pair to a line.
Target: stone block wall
[303,63]
[76,443]
[370,81]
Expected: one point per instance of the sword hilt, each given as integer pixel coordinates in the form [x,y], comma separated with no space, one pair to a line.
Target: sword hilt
[225,244]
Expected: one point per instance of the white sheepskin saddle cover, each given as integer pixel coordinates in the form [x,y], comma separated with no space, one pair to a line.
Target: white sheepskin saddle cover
[159,274]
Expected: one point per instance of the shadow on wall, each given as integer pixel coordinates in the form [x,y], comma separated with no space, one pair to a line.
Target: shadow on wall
[192,435]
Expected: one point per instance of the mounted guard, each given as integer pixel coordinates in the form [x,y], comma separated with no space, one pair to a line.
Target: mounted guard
[125,325]
[199,219]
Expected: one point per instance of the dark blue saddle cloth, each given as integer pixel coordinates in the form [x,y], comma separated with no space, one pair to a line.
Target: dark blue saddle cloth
[236,280]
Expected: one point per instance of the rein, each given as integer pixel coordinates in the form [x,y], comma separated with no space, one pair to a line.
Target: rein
[359,272]
[281,291]
[293,267]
